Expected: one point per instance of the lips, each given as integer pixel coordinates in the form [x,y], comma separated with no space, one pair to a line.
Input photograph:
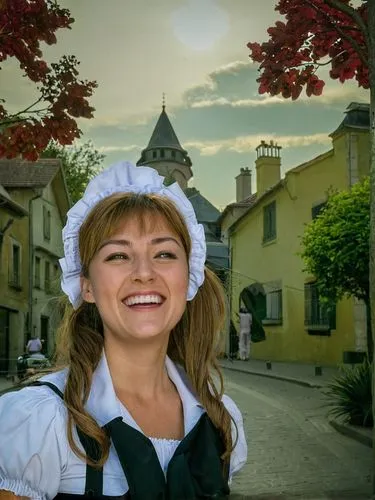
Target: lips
[144,299]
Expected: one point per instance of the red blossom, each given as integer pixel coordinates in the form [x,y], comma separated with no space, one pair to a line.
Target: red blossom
[311,35]
[24,25]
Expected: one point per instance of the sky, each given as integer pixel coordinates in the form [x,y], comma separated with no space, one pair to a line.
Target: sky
[195,52]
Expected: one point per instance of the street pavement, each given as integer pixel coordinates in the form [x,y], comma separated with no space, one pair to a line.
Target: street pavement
[298,373]
[293,451]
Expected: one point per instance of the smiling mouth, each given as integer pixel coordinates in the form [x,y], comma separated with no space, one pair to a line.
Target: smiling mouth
[143,301]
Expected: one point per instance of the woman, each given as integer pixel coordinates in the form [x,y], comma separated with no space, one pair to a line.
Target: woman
[135,412]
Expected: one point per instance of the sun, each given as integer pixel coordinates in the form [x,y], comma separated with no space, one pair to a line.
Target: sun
[200,24]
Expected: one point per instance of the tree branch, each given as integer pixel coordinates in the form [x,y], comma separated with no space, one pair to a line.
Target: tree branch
[26,110]
[347,9]
[348,38]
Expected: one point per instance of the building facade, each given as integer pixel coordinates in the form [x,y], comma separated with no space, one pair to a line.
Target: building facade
[40,189]
[14,281]
[265,242]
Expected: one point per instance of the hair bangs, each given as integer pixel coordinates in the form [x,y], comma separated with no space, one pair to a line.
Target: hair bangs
[109,215]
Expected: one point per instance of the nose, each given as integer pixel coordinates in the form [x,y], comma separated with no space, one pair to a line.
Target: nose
[143,270]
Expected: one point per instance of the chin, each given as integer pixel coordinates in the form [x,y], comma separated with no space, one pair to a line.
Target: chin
[145,334]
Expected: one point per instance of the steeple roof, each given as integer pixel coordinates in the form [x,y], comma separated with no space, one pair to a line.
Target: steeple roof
[163,135]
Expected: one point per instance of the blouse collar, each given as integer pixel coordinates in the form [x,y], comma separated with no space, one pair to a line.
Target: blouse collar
[103,404]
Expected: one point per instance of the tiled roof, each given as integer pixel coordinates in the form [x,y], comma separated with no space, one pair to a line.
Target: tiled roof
[204,209]
[246,203]
[22,173]
[5,197]
[357,116]
[164,135]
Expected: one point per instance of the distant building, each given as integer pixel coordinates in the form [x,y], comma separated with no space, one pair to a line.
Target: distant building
[165,153]
[14,280]
[41,190]
[264,231]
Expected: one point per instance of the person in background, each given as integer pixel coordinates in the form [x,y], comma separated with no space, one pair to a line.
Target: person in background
[34,345]
[245,334]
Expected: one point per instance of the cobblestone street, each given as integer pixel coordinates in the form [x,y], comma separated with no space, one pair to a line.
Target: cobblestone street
[293,451]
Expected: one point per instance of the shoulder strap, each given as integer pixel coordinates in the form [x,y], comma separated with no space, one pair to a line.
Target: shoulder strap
[55,389]
[94,475]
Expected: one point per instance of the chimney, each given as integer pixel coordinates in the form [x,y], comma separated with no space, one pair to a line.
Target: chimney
[268,165]
[243,184]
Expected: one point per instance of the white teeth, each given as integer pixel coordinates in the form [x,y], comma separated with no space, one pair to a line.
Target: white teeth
[143,299]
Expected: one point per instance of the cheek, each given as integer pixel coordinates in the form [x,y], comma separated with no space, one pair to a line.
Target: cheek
[103,283]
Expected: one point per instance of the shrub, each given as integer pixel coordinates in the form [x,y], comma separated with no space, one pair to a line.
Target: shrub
[350,395]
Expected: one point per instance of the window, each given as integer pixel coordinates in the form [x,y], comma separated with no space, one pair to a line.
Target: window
[47,276]
[274,305]
[173,154]
[154,154]
[15,267]
[320,317]
[269,222]
[315,211]
[37,273]
[162,153]
[46,223]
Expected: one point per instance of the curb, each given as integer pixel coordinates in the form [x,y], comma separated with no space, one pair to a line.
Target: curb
[351,432]
[304,383]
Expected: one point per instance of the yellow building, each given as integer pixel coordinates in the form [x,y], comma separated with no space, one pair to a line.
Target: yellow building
[14,280]
[265,242]
[34,284]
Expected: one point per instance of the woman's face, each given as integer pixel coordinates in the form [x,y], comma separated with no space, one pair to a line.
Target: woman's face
[138,281]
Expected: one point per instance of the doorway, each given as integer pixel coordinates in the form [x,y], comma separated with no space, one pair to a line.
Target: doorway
[4,341]
[44,330]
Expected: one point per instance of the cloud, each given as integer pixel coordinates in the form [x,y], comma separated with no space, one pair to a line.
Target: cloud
[119,149]
[212,81]
[231,68]
[246,143]
[238,103]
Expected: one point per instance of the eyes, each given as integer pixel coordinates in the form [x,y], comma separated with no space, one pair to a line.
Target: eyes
[119,256]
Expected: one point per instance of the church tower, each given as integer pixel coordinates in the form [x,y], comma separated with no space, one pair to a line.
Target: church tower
[165,153]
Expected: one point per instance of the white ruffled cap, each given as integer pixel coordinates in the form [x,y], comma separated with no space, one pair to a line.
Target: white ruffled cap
[124,177]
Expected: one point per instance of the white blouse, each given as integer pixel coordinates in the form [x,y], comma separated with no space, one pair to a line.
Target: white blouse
[36,460]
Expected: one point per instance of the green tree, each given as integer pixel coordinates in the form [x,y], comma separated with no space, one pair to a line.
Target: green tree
[80,163]
[336,248]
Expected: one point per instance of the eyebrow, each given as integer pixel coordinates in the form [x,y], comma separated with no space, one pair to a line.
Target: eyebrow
[127,243]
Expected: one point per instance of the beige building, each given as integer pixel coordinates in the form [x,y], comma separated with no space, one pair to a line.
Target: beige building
[14,280]
[40,189]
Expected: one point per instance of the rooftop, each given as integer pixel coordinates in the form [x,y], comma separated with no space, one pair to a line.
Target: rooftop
[27,174]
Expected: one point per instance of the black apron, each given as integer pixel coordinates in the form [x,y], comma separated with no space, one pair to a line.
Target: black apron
[195,471]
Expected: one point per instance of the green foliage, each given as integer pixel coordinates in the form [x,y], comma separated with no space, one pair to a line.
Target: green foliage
[169,179]
[336,244]
[81,163]
[350,395]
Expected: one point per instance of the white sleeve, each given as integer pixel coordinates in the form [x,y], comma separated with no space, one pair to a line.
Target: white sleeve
[32,455]
[239,454]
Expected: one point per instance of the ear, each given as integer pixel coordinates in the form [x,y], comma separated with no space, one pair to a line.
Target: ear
[86,290]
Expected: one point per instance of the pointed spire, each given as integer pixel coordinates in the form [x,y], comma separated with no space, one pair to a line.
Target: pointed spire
[164,135]
[163,101]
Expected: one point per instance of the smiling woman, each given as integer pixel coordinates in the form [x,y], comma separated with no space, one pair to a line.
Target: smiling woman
[133,412]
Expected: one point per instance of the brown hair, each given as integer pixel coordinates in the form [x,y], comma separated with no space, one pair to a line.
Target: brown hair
[192,343]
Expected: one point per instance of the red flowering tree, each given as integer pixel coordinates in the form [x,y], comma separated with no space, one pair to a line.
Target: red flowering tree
[62,97]
[314,33]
